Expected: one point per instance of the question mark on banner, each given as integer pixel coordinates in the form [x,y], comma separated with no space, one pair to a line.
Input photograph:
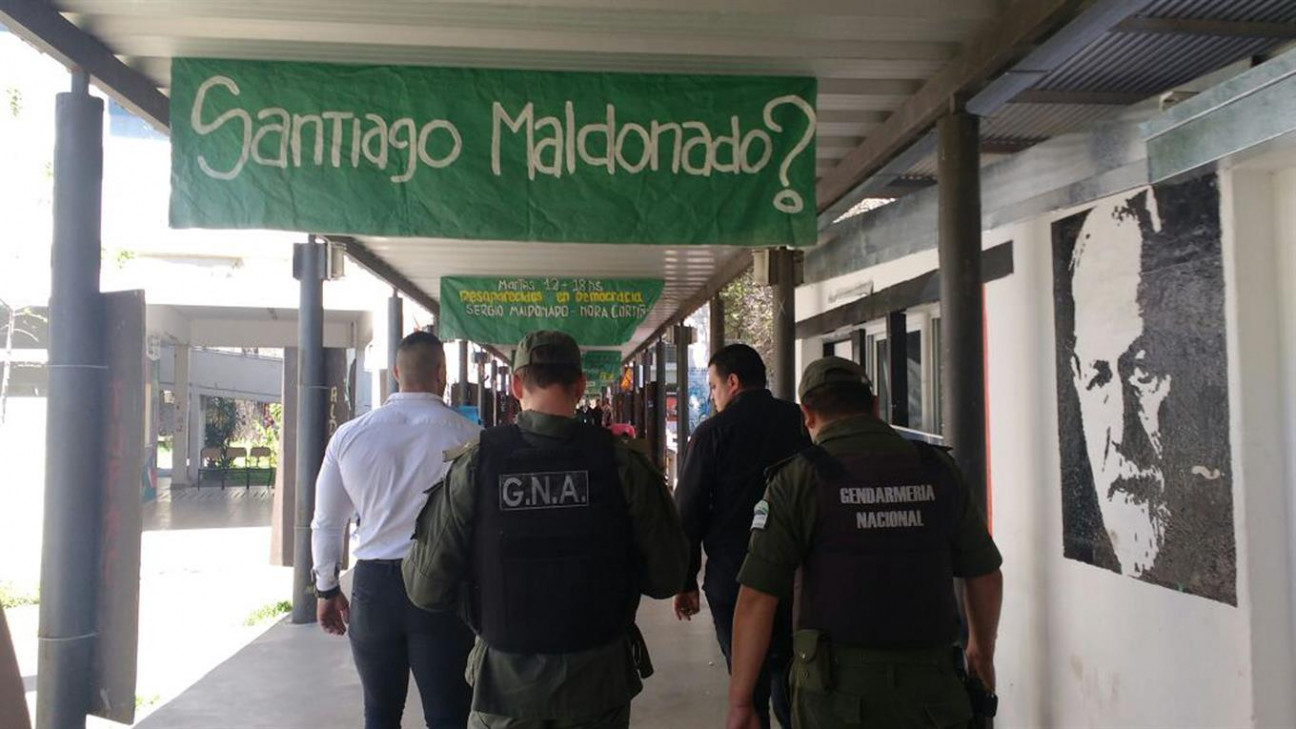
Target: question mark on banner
[788,200]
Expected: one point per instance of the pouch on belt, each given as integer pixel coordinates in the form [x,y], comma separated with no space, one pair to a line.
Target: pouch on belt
[812,662]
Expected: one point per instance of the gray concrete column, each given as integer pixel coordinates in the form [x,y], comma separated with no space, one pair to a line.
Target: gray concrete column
[312,411]
[182,472]
[462,397]
[898,367]
[783,267]
[962,306]
[395,332]
[73,434]
[659,362]
[683,337]
[717,338]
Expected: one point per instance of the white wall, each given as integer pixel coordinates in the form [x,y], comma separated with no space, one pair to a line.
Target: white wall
[1084,647]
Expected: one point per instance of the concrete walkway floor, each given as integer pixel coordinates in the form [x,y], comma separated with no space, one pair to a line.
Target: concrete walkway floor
[296,677]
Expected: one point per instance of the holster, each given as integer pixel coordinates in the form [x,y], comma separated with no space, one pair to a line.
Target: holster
[639,652]
[812,661]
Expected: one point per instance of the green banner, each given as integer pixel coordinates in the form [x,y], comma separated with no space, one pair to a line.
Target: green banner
[494,155]
[602,369]
[598,312]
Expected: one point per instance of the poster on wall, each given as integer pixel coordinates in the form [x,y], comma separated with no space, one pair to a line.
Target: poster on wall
[1143,411]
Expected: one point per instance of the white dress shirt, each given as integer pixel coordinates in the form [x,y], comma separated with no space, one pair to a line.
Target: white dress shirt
[378,467]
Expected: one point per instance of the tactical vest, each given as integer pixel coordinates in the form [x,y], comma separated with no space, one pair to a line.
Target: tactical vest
[880,573]
[553,558]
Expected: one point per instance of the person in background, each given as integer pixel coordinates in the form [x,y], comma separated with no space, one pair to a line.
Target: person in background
[545,534]
[874,529]
[722,480]
[379,466]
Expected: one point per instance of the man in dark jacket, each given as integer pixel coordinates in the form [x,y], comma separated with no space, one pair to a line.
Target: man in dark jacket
[723,479]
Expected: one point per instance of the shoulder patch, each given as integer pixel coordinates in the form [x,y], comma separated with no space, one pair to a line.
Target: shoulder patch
[760,515]
[454,453]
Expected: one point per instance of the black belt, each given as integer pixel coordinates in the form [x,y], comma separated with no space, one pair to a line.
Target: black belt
[380,562]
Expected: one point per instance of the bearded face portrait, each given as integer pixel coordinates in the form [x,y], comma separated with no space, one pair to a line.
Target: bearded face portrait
[1143,389]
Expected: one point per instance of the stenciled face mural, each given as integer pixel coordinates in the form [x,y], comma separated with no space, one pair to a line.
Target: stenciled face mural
[1143,416]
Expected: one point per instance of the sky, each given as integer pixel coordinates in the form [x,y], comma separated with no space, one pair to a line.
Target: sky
[229,268]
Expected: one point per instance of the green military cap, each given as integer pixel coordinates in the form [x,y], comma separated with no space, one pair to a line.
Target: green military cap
[546,347]
[831,370]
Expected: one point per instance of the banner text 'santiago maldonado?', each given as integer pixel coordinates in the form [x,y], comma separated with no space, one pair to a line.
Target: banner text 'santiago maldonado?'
[654,158]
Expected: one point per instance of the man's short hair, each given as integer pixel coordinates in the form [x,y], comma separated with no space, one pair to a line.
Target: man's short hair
[839,399]
[420,356]
[742,361]
[542,376]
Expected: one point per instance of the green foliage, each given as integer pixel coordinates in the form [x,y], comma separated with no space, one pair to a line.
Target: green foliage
[749,315]
[12,596]
[221,421]
[268,612]
[143,702]
[15,102]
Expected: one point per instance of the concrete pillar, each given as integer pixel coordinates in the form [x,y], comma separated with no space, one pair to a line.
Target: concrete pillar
[683,337]
[717,338]
[312,410]
[73,440]
[783,267]
[285,491]
[659,360]
[898,366]
[395,332]
[962,305]
[461,398]
[183,459]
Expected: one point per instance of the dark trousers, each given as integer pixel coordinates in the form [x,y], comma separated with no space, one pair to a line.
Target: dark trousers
[772,686]
[390,638]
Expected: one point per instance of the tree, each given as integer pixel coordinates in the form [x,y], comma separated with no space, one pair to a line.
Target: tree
[749,315]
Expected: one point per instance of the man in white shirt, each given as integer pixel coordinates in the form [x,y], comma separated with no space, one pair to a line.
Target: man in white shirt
[379,467]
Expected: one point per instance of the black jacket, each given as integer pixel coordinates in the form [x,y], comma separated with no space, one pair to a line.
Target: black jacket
[724,477]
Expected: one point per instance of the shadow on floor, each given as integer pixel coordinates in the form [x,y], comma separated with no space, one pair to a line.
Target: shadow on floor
[209,507]
[296,677]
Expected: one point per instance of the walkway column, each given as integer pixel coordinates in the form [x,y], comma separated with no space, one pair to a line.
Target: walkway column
[180,449]
[395,332]
[717,337]
[683,337]
[73,436]
[783,270]
[962,307]
[462,397]
[898,367]
[312,400]
[659,363]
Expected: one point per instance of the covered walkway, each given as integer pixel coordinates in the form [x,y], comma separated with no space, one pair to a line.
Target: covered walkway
[1046,228]
[297,677]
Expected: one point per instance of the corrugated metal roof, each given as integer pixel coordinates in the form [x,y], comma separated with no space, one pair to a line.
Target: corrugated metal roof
[1251,11]
[1150,63]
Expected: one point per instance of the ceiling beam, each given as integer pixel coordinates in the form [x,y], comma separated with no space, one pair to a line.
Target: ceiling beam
[1222,28]
[304,30]
[1079,98]
[39,23]
[731,270]
[1005,145]
[376,265]
[1007,38]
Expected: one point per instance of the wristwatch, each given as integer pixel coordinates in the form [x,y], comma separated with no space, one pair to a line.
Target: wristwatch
[328,594]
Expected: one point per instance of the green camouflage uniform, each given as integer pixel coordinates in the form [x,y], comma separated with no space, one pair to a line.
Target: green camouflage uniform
[588,689]
[869,688]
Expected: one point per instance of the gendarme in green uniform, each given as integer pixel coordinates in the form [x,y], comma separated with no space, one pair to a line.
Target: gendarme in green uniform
[868,686]
[591,687]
